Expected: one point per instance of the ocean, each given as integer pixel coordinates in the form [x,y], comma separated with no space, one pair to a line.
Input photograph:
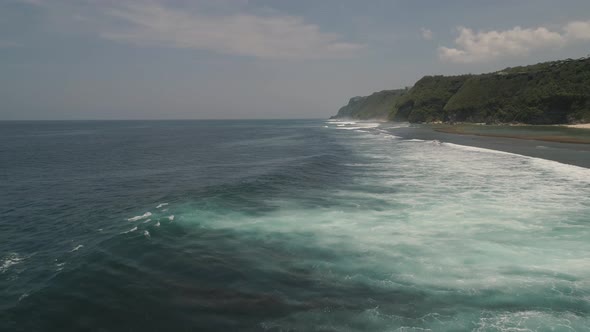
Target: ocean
[287,225]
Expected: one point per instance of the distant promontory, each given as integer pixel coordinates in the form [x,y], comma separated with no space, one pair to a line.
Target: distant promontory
[556,92]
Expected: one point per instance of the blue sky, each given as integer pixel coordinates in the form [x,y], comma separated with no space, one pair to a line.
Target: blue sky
[221,59]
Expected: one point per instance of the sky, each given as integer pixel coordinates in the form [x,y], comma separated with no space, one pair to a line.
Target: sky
[253,59]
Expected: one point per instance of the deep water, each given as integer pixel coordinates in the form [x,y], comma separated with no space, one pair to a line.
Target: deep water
[284,226]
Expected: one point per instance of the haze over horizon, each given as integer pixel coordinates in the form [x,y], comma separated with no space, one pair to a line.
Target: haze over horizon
[258,59]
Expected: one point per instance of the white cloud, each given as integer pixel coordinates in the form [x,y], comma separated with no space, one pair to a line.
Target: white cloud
[483,46]
[426,33]
[278,36]
[578,30]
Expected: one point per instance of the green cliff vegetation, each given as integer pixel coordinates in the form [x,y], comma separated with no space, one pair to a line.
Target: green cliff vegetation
[376,106]
[546,93]
[426,101]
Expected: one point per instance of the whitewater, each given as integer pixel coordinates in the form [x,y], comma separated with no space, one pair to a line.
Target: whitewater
[307,225]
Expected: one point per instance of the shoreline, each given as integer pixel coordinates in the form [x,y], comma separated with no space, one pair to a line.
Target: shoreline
[557,139]
[556,150]
[578,126]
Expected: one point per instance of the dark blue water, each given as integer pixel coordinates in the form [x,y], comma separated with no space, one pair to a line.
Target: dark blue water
[71,184]
[283,225]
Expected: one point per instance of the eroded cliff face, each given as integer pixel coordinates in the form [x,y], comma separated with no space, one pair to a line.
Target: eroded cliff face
[546,93]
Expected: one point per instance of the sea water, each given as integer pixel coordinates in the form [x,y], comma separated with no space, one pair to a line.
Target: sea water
[296,225]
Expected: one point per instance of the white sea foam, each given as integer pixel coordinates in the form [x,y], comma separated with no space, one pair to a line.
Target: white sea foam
[171,217]
[396,126]
[359,125]
[450,217]
[576,172]
[359,165]
[431,221]
[161,205]
[60,266]
[370,124]
[10,260]
[343,123]
[580,173]
[78,247]
[147,220]
[143,216]
[389,136]
[530,320]
[480,150]
[146,234]
[157,224]
[131,230]
[350,128]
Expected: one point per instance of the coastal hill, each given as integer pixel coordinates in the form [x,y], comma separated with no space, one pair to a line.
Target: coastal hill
[554,92]
[376,106]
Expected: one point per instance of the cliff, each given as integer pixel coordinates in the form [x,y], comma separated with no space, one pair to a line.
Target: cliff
[425,102]
[546,93]
[376,106]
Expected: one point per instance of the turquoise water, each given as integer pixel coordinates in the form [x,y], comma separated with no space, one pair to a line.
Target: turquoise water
[282,226]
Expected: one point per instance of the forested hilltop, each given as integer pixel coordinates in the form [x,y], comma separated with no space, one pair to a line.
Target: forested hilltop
[546,93]
[376,106]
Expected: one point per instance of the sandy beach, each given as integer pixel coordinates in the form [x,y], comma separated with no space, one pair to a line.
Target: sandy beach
[549,133]
[557,149]
[580,126]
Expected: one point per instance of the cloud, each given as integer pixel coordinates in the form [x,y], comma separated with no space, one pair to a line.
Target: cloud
[277,36]
[484,46]
[578,30]
[426,33]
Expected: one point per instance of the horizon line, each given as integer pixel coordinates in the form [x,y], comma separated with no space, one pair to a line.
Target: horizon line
[233,119]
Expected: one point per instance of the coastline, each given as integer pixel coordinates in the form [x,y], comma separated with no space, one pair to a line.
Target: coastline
[579,126]
[573,134]
[557,150]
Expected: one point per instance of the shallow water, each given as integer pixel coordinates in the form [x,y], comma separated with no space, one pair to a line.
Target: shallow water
[284,225]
